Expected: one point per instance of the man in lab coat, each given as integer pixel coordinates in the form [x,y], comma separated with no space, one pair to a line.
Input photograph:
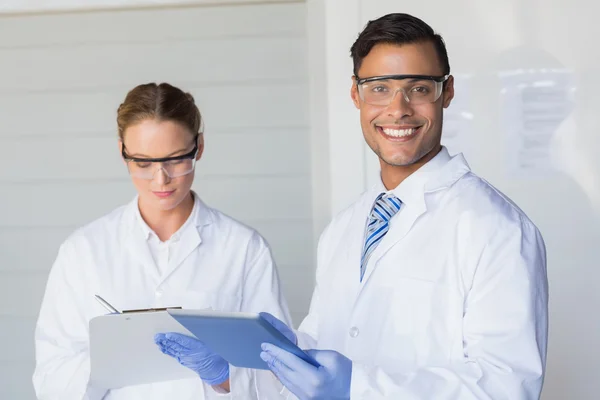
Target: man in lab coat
[432,285]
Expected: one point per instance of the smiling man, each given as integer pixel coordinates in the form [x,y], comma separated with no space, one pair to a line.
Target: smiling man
[433,284]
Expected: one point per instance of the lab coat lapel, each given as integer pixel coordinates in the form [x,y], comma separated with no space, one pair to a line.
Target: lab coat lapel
[140,251]
[190,238]
[400,225]
[189,241]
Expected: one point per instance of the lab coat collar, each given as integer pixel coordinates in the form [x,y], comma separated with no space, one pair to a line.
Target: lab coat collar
[454,169]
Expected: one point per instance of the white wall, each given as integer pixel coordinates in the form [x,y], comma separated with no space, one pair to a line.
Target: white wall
[337,138]
[562,198]
[45,6]
[62,77]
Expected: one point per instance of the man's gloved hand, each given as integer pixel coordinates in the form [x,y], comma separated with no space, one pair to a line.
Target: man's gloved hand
[193,354]
[280,326]
[329,381]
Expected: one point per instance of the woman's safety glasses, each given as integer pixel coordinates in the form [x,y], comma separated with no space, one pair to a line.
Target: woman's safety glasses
[145,168]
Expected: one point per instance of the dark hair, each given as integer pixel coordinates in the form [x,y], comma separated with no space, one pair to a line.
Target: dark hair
[162,102]
[397,29]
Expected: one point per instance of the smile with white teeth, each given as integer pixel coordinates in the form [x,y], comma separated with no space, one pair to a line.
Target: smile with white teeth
[399,132]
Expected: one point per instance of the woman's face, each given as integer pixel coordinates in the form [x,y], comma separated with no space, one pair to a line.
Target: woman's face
[149,139]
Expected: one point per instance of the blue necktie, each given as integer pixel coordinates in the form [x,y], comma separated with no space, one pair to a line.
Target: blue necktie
[385,207]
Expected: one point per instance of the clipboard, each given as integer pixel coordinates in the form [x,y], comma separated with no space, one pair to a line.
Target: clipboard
[123,352]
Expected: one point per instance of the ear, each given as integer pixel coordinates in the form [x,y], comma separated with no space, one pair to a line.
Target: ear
[200,145]
[448,93]
[354,93]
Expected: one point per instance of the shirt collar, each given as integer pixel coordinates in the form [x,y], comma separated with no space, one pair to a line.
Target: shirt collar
[412,189]
[149,233]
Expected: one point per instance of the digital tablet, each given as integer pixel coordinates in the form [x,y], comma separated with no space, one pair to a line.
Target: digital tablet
[236,336]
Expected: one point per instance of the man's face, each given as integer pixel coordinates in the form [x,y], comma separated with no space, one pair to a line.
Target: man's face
[402,133]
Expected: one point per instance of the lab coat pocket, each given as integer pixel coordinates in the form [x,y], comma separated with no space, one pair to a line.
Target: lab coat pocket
[408,334]
[411,306]
[218,301]
[406,310]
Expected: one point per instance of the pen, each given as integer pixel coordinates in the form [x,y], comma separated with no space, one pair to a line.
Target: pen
[106,304]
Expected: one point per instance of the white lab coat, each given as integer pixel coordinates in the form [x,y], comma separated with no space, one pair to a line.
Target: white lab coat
[453,304]
[220,263]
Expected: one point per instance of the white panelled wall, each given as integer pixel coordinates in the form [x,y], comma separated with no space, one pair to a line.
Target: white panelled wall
[36,6]
[62,77]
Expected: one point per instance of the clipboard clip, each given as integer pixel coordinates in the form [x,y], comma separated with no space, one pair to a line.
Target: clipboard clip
[150,310]
[113,310]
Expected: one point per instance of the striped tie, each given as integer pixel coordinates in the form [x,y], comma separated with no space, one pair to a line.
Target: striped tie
[385,207]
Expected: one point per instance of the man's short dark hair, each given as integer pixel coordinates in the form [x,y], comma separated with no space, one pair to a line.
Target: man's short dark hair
[397,29]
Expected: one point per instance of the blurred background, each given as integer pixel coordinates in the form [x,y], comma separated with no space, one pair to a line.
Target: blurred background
[284,151]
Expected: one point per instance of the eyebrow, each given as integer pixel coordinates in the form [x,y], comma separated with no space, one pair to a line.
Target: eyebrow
[139,155]
[406,80]
[412,77]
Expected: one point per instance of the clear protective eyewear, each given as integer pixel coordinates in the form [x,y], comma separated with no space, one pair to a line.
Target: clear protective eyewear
[145,168]
[416,89]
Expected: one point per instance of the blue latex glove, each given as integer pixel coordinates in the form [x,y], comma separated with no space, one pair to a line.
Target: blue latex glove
[329,381]
[280,326]
[193,354]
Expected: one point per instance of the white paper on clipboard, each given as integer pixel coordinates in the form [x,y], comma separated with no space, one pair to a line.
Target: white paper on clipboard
[123,352]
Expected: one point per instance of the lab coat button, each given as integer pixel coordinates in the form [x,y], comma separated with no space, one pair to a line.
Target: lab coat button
[354,332]
[158,293]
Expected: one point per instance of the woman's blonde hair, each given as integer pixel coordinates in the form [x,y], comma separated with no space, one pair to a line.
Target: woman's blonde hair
[162,102]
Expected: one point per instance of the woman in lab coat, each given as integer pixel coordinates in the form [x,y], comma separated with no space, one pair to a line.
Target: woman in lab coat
[165,248]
